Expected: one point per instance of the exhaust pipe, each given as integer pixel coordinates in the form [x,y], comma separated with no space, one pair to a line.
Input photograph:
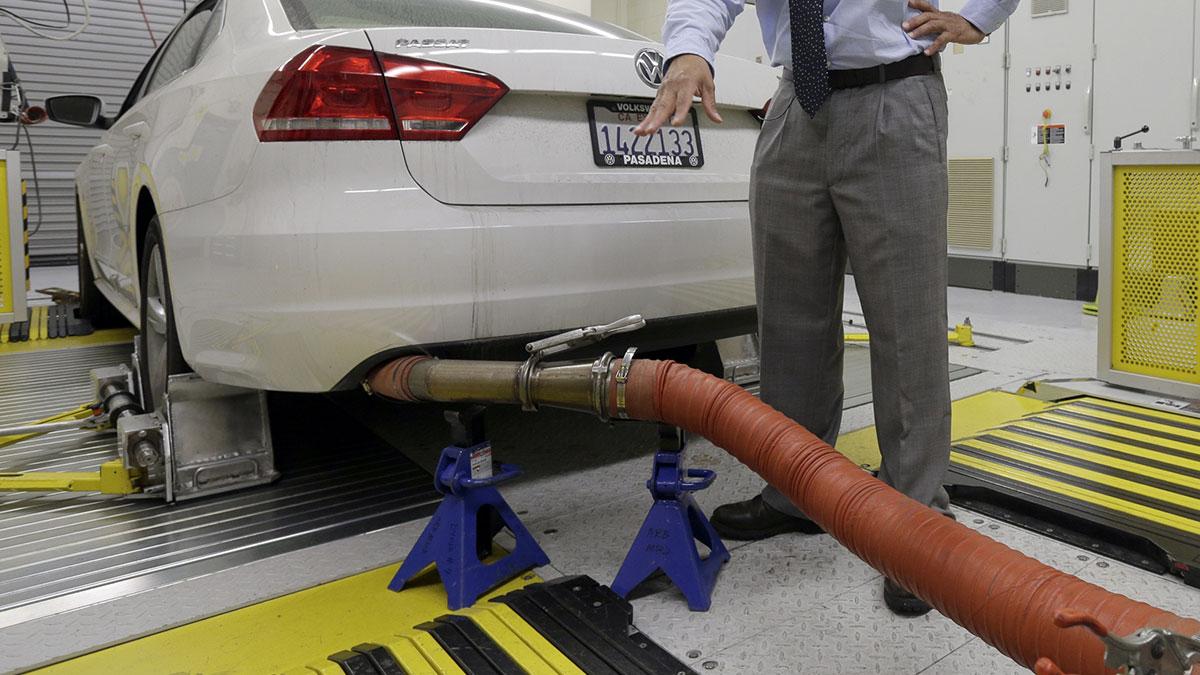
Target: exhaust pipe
[1038,616]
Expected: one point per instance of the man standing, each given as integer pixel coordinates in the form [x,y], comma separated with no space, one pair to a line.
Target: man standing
[851,162]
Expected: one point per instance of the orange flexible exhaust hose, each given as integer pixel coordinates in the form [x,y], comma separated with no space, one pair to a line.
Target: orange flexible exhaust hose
[1032,613]
[1004,597]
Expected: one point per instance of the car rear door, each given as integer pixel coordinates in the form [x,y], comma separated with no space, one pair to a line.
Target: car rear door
[128,139]
[101,189]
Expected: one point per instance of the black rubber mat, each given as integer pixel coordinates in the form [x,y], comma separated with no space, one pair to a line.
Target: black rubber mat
[593,626]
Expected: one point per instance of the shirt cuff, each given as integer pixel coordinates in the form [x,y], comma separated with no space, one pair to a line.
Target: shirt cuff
[986,15]
[696,42]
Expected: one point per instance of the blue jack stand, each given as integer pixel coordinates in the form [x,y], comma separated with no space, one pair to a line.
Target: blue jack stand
[459,536]
[668,537]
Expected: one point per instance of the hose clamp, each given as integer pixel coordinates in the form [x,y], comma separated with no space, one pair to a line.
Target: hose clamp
[525,383]
[601,369]
[556,344]
[622,379]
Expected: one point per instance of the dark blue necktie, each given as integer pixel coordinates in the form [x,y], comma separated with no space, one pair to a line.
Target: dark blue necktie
[810,62]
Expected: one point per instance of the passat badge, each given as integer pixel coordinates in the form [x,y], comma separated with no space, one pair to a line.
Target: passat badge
[649,66]
[432,43]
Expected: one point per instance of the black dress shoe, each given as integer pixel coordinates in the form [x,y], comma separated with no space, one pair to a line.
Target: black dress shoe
[901,601]
[754,519]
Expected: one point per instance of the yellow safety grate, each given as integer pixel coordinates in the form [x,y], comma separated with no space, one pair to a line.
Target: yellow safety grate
[1156,271]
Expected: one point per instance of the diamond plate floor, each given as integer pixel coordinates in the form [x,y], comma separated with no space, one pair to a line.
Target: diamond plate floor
[856,375]
[58,550]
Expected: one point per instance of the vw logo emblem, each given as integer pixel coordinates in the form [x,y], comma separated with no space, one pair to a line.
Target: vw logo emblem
[649,66]
[610,159]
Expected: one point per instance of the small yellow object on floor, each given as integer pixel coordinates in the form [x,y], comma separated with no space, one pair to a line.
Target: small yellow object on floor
[963,335]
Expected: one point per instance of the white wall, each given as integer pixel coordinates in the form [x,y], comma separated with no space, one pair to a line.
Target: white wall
[744,40]
[646,17]
[612,11]
[103,61]
[581,6]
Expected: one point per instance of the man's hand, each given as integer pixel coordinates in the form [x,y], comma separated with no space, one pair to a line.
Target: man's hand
[688,77]
[948,26]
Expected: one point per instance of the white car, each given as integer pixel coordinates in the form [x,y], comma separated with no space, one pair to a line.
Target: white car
[295,190]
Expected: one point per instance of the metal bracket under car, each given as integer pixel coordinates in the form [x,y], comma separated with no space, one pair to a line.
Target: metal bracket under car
[214,438]
[218,438]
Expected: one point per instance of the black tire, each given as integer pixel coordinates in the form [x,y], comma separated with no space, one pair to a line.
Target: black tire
[93,306]
[158,342]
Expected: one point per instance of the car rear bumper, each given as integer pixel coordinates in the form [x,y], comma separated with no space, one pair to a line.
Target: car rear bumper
[295,281]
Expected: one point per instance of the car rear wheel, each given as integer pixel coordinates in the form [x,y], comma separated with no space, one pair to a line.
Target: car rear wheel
[93,306]
[158,344]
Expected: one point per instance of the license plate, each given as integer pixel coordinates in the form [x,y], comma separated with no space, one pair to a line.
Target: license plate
[615,147]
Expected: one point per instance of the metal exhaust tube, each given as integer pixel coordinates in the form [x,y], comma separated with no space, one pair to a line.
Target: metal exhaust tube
[1038,616]
[571,385]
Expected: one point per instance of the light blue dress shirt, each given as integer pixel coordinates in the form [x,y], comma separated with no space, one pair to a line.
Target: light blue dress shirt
[858,33]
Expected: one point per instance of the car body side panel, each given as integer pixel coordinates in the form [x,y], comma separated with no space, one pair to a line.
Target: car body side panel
[337,255]
[195,142]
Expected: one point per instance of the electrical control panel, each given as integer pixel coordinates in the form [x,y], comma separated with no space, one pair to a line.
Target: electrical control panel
[1045,79]
[1053,89]
[1047,192]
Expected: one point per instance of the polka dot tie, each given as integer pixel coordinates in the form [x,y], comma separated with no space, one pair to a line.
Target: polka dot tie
[810,62]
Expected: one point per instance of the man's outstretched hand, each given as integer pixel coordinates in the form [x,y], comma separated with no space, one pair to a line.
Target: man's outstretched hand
[947,26]
[688,77]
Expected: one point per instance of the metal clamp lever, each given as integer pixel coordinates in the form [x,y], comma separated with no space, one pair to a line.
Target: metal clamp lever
[556,344]
[580,337]
[1150,650]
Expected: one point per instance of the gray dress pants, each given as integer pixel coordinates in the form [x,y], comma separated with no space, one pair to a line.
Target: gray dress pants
[865,179]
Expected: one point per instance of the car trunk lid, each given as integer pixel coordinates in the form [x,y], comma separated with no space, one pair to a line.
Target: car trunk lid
[536,145]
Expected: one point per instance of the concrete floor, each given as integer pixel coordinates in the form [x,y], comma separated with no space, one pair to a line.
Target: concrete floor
[787,604]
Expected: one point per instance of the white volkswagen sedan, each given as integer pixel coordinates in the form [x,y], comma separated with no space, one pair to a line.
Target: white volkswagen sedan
[295,190]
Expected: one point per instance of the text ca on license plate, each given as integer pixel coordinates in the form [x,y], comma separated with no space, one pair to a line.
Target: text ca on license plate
[614,146]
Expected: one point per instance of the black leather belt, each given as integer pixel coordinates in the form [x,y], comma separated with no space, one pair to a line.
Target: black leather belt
[917,64]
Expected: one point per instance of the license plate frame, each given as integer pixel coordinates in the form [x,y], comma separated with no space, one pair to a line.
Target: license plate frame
[606,156]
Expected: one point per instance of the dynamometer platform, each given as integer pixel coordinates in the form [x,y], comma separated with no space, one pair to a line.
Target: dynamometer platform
[1121,479]
[61,550]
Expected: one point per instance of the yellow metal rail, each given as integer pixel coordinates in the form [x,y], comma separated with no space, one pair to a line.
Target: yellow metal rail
[80,413]
[113,477]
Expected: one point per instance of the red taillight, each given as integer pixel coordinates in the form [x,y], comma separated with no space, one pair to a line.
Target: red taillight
[344,94]
[325,94]
[435,101]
